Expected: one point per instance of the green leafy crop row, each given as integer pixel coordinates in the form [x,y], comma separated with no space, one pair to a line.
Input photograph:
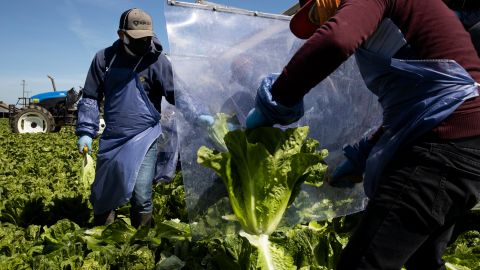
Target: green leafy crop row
[46,222]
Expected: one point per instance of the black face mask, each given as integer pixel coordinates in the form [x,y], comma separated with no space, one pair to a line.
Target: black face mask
[138,46]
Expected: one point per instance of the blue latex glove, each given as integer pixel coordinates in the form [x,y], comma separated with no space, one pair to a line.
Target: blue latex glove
[232,126]
[358,153]
[267,111]
[208,120]
[255,118]
[205,120]
[345,175]
[350,171]
[83,141]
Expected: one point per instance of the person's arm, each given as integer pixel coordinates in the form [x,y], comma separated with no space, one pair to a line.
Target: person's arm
[350,170]
[165,78]
[174,93]
[87,109]
[332,44]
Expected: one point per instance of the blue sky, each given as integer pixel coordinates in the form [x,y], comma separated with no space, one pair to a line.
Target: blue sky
[60,37]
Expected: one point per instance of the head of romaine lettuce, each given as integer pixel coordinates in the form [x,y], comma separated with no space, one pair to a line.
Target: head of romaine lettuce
[262,170]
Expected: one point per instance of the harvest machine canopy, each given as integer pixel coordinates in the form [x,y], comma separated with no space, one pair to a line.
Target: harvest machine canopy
[219,56]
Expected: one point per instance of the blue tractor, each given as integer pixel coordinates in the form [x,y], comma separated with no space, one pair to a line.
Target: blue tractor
[46,112]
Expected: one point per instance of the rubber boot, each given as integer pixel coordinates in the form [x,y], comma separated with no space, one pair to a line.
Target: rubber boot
[104,219]
[141,220]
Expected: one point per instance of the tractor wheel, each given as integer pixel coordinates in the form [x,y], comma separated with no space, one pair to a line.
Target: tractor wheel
[33,119]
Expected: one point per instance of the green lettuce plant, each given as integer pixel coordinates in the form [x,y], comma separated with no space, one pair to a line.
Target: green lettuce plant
[262,172]
[87,173]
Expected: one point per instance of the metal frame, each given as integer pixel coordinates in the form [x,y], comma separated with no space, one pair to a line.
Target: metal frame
[220,8]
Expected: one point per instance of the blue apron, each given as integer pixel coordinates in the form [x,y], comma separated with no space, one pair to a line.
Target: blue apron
[416,95]
[168,149]
[132,125]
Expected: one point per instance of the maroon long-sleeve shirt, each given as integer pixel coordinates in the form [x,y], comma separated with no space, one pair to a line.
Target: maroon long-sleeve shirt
[431,29]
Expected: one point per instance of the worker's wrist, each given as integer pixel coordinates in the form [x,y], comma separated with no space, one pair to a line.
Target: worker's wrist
[282,91]
[272,110]
[81,134]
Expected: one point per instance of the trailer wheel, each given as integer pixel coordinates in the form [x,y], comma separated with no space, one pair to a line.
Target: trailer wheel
[33,119]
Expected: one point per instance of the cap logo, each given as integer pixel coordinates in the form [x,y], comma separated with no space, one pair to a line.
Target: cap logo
[136,23]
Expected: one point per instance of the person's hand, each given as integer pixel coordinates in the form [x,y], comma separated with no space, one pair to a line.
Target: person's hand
[233,126]
[83,141]
[345,175]
[205,120]
[256,118]
[267,111]
[350,171]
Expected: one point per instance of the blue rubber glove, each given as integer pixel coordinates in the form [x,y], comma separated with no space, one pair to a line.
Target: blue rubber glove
[205,120]
[208,120]
[232,126]
[83,141]
[267,111]
[350,171]
[255,118]
[345,175]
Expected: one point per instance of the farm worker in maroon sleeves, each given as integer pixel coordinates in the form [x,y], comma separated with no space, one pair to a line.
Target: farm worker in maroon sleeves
[422,169]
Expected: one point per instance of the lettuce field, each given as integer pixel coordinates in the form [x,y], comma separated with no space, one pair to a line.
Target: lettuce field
[46,222]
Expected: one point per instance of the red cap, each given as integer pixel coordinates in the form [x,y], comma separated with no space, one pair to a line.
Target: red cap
[302,26]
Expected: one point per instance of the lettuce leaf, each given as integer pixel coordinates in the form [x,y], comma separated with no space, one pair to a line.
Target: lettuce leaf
[87,173]
[262,171]
[218,130]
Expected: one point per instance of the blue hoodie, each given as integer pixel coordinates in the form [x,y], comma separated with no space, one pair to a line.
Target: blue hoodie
[155,71]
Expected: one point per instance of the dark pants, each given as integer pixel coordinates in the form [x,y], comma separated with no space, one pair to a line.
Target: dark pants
[410,219]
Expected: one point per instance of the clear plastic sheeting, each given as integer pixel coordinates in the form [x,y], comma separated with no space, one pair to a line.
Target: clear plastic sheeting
[219,59]
[167,143]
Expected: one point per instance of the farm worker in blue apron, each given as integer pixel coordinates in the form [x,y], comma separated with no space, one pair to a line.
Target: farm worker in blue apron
[421,170]
[132,75]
